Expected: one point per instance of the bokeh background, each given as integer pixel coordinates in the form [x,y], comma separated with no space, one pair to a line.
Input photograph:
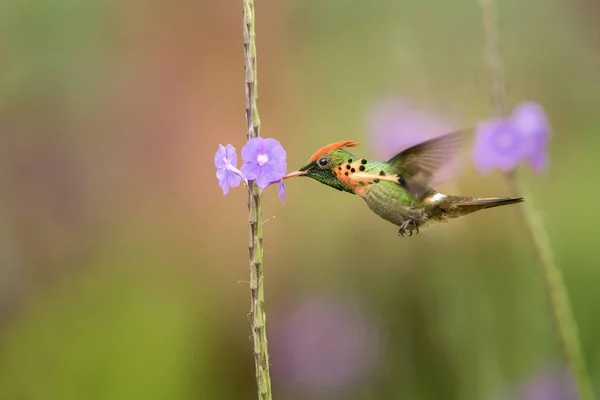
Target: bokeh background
[124,269]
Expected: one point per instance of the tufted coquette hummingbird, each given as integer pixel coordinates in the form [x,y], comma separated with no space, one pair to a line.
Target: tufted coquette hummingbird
[398,189]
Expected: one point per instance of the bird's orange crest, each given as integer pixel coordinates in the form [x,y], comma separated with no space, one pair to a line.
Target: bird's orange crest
[331,147]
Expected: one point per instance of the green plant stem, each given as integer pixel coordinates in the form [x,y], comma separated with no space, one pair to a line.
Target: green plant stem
[551,275]
[257,291]
[555,288]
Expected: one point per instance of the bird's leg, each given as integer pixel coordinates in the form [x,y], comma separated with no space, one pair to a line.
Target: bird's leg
[409,226]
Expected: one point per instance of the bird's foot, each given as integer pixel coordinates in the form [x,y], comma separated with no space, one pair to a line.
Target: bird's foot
[409,226]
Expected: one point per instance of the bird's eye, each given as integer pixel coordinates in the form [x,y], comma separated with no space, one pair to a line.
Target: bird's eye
[323,162]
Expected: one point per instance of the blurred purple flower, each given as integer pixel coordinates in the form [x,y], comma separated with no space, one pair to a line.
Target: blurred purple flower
[264,161]
[551,386]
[396,124]
[506,142]
[322,345]
[554,384]
[227,173]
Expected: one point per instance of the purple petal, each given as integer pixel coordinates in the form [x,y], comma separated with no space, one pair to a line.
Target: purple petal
[277,169]
[220,155]
[225,154]
[275,150]
[249,150]
[231,155]
[222,178]
[228,179]
[498,145]
[530,118]
[252,148]
[281,191]
[267,175]
[250,170]
[233,179]
[225,158]
[268,144]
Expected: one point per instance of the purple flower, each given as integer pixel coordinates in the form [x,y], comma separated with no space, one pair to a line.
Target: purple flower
[264,161]
[506,142]
[322,345]
[396,124]
[227,173]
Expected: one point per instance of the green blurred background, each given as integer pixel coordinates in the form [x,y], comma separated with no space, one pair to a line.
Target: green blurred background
[123,267]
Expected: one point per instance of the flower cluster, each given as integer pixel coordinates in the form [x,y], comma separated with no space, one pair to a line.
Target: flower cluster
[506,142]
[264,163]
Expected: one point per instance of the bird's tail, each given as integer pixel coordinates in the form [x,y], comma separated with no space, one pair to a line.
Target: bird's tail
[457,206]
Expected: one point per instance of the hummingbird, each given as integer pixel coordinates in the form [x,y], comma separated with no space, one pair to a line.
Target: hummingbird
[398,190]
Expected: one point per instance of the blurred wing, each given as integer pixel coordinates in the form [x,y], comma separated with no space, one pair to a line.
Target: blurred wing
[418,164]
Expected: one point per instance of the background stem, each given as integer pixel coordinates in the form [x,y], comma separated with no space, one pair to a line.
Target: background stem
[257,291]
[555,288]
[550,273]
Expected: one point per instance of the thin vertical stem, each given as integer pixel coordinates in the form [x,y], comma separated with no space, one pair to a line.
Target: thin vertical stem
[255,247]
[556,290]
[492,54]
[551,275]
